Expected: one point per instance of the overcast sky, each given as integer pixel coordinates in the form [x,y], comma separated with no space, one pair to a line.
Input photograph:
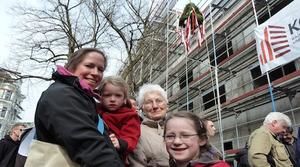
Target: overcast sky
[32,89]
[4,30]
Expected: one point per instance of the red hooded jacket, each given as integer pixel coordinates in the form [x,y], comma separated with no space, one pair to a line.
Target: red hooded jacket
[125,124]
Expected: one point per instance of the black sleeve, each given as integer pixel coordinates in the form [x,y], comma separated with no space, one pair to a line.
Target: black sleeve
[123,145]
[71,119]
[2,150]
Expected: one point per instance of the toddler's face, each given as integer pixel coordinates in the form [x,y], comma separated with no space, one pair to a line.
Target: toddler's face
[113,97]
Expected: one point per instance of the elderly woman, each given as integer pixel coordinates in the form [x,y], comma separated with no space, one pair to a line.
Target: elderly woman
[151,149]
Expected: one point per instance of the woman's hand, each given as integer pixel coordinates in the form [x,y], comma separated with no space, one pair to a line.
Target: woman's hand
[115,141]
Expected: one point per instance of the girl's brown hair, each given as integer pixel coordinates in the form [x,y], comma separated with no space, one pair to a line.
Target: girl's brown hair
[79,55]
[197,122]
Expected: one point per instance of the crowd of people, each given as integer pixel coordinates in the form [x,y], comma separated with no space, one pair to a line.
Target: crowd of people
[83,119]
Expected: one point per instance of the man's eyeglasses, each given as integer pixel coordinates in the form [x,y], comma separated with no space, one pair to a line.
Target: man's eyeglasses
[183,138]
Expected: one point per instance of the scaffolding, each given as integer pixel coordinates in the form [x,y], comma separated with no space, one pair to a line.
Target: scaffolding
[225,66]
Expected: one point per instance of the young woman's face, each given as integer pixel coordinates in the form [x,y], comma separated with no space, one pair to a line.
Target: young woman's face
[182,140]
[112,97]
[91,69]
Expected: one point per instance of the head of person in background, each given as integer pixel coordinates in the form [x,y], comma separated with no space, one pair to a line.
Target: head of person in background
[186,139]
[277,123]
[288,137]
[152,100]
[16,131]
[88,65]
[210,127]
[133,103]
[114,93]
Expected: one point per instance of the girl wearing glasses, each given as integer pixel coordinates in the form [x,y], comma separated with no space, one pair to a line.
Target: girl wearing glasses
[186,139]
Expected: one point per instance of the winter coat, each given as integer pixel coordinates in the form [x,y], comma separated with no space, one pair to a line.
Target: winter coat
[125,124]
[219,163]
[209,158]
[211,153]
[291,149]
[242,158]
[151,149]
[66,115]
[263,144]
[298,149]
[8,151]
[202,162]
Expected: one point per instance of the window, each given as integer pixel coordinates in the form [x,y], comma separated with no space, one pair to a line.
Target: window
[228,145]
[273,10]
[191,106]
[260,80]
[209,99]
[7,95]
[221,52]
[182,80]
[3,112]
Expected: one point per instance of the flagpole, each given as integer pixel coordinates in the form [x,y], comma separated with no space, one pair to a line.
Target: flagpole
[186,81]
[217,85]
[267,73]
[186,41]
[167,69]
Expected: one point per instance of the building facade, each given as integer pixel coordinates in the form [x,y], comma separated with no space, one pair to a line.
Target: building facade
[225,65]
[10,101]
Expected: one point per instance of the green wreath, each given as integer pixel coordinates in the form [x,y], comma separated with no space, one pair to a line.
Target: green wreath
[187,12]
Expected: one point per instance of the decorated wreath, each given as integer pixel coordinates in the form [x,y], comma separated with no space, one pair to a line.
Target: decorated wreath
[187,11]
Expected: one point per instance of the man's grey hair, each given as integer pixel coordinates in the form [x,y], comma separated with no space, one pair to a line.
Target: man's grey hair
[277,116]
[149,88]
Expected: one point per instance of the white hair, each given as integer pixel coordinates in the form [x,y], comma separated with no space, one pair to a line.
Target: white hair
[277,116]
[149,88]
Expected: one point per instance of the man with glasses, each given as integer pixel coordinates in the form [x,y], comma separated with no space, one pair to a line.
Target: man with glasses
[265,149]
[9,146]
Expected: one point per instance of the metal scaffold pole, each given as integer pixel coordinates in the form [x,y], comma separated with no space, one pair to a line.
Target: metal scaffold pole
[167,69]
[267,73]
[186,81]
[217,83]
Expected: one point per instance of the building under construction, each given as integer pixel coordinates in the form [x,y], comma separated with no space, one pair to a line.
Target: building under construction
[225,65]
[10,101]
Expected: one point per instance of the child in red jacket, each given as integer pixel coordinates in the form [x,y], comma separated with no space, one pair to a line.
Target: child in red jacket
[118,114]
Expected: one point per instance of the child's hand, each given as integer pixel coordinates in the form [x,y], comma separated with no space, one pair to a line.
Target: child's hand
[115,141]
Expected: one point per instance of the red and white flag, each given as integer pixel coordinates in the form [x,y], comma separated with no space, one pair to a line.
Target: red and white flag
[201,31]
[192,31]
[186,35]
[278,39]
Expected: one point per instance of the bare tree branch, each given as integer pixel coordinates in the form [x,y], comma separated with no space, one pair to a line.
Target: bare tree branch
[130,21]
[49,33]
